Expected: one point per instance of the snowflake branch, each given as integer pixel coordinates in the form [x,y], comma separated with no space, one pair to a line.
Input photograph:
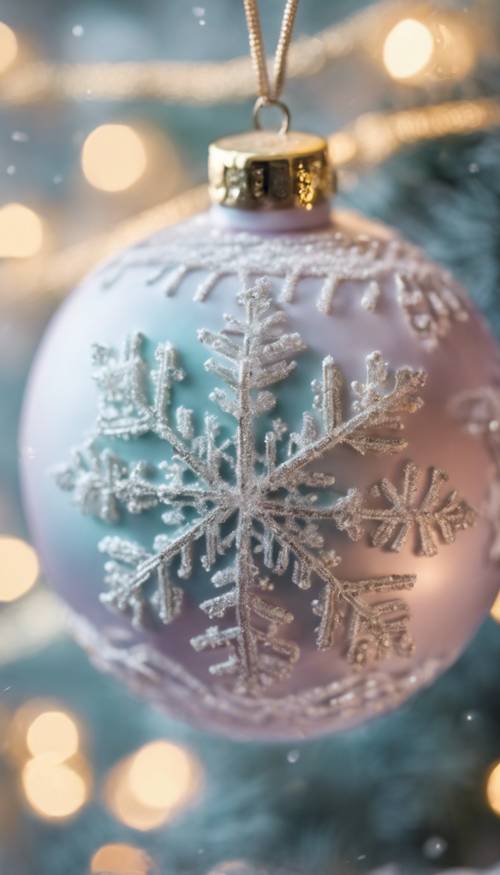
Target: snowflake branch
[124,408]
[376,410]
[373,628]
[188,536]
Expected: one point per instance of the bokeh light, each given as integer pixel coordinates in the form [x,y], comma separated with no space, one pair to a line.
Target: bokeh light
[121,859]
[408,49]
[53,790]
[161,775]
[493,788]
[21,231]
[148,788]
[455,49]
[8,47]
[495,610]
[113,157]
[19,567]
[53,734]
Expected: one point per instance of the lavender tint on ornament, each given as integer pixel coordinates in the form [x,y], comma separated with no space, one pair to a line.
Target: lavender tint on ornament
[327,610]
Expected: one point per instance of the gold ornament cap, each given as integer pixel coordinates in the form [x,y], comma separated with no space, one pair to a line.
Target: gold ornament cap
[264,170]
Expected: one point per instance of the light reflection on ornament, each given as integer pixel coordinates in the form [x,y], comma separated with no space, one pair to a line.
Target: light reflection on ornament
[18,567]
[21,231]
[8,47]
[113,157]
[121,859]
[54,790]
[495,610]
[149,787]
[408,49]
[53,734]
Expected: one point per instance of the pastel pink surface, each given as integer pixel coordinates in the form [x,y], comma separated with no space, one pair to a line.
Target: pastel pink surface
[454,589]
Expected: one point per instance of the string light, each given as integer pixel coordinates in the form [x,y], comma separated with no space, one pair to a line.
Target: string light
[455,53]
[53,790]
[408,49]
[370,139]
[161,775]
[54,735]
[145,790]
[19,568]
[189,82]
[493,788]
[8,47]
[44,740]
[21,232]
[121,859]
[495,610]
[113,157]
[430,47]
[373,137]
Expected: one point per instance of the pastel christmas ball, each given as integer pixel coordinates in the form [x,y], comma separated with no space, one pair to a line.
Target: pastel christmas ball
[249,474]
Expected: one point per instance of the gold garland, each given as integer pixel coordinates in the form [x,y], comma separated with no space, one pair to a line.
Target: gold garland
[192,82]
[373,137]
[370,139]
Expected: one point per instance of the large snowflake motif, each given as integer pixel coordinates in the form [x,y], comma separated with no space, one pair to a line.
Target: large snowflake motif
[251,508]
[428,295]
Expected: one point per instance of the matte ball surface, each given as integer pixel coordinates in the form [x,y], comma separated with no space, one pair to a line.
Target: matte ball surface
[251,472]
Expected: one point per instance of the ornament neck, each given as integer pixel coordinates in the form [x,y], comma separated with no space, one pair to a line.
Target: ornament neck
[293,219]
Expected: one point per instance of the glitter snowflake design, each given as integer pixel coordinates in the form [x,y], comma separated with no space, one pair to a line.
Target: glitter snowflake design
[251,510]
[170,685]
[434,518]
[428,295]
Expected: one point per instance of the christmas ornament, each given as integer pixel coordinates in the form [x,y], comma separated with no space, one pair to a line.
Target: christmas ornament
[242,460]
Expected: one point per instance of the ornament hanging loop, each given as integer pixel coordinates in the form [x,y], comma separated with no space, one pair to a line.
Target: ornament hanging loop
[270,92]
[264,102]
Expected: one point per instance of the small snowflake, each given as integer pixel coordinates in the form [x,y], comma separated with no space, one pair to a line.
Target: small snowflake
[257,507]
[432,517]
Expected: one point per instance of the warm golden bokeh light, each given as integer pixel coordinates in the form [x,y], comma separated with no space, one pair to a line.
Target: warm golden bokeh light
[121,859]
[148,788]
[113,157]
[408,48]
[21,232]
[8,47]
[493,788]
[161,775]
[455,51]
[53,734]
[53,790]
[18,563]
[342,148]
[495,610]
